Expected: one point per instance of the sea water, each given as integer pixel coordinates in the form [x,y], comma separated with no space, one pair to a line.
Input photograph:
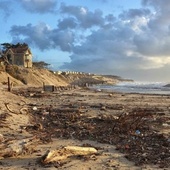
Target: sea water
[137,87]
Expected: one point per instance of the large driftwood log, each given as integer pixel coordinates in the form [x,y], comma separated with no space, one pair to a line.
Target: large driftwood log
[77,150]
[64,153]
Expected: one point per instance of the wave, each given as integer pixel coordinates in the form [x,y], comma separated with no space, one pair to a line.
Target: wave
[138,87]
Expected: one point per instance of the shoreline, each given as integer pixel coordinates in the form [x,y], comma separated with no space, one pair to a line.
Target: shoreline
[134,88]
[82,116]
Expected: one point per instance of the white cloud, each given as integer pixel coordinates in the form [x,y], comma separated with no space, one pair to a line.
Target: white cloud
[157,62]
[83,11]
[84,17]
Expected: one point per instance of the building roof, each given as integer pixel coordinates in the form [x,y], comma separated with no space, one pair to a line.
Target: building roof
[19,49]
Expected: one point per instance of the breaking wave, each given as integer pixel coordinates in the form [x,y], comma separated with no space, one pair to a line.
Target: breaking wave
[138,87]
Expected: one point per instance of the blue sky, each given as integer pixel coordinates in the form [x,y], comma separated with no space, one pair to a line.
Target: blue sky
[128,38]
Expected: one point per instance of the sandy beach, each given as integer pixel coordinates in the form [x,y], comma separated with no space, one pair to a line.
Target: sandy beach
[129,131]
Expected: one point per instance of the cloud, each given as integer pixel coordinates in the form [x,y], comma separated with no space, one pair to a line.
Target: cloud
[155,38]
[65,35]
[42,37]
[84,17]
[66,23]
[35,35]
[150,44]
[132,13]
[62,38]
[39,6]
[162,11]
[157,4]
[5,8]
[134,43]
[106,51]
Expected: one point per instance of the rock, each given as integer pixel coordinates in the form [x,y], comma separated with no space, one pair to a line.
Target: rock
[32,94]
[110,95]
[103,108]
[34,108]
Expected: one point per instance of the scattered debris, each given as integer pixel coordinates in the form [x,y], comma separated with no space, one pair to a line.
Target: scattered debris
[34,108]
[1,138]
[24,110]
[65,152]
[133,133]
[17,147]
[7,107]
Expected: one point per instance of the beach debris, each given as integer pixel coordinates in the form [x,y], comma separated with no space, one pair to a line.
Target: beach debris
[134,130]
[1,138]
[9,109]
[32,94]
[17,147]
[24,110]
[79,150]
[65,152]
[110,95]
[138,132]
[103,108]
[34,108]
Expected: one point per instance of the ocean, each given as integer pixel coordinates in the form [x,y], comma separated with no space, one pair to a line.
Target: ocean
[137,87]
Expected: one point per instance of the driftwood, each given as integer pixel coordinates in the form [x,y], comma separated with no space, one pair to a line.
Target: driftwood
[77,150]
[24,103]
[64,153]
[6,105]
[1,138]
[21,111]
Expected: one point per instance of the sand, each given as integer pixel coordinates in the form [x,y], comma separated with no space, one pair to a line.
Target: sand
[92,104]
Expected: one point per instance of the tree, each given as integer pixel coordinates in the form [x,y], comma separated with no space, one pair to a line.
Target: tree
[4,57]
[40,64]
[6,46]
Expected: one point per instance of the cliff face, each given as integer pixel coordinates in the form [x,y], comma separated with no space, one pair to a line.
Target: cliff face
[36,77]
[31,77]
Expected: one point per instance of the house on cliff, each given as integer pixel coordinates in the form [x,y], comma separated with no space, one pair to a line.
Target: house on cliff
[19,55]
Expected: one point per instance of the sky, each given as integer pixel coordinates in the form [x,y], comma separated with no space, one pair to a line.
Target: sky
[127,38]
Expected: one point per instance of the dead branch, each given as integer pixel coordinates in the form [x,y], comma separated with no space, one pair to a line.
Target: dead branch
[7,107]
[23,110]
[23,102]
